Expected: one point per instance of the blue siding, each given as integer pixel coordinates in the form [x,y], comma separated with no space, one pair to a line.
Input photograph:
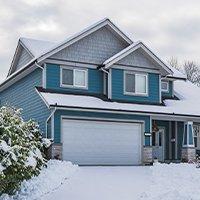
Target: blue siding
[170,93]
[58,113]
[22,94]
[118,88]
[95,80]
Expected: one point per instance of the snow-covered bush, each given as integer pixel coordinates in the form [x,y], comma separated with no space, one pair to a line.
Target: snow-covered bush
[21,149]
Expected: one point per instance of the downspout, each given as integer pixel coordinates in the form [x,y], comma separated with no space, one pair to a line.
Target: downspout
[38,65]
[104,70]
[52,113]
[43,74]
[109,81]
[160,87]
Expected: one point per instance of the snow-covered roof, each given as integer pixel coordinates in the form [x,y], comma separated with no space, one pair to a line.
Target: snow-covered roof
[186,91]
[37,47]
[177,73]
[40,50]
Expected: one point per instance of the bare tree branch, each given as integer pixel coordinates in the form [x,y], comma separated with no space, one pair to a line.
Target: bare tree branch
[192,71]
[173,62]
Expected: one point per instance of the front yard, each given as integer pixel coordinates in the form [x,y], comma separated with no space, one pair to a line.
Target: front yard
[62,180]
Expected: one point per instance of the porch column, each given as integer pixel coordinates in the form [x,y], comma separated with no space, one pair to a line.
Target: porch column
[147,149]
[188,147]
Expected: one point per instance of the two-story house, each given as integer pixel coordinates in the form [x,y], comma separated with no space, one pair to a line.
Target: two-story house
[104,99]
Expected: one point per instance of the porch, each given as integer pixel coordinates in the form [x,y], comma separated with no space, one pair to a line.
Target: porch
[175,141]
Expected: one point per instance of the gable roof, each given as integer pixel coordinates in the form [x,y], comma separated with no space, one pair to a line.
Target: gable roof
[84,33]
[36,47]
[131,48]
[40,50]
[32,47]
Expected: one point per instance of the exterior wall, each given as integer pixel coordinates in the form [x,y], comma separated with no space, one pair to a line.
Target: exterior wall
[23,59]
[118,88]
[95,80]
[22,94]
[137,58]
[94,48]
[59,113]
[170,93]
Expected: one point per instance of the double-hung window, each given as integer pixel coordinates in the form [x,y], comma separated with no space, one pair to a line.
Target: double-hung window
[73,77]
[136,83]
[165,86]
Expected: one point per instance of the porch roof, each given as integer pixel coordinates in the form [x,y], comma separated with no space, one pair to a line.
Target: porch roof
[188,105]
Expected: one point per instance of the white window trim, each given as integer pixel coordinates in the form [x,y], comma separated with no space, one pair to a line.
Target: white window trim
[188,145]
[163,90]
[136,93]
[74,72]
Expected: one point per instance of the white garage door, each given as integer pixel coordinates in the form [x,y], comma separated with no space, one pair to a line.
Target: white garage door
[101,143]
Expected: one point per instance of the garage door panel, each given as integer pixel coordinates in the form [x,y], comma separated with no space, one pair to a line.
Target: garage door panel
[101,143]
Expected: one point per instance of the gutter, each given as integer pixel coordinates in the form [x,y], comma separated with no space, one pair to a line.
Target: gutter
[38,65]
[59,107]
[16,73]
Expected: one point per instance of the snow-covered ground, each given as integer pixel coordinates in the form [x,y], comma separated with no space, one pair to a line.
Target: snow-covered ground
[50,179]
[62,180]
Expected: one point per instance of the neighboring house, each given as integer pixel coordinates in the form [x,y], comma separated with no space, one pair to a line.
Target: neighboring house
[104,99]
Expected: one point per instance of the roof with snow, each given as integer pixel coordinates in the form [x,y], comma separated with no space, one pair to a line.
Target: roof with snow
[37,47]
[185,106]
[40,50]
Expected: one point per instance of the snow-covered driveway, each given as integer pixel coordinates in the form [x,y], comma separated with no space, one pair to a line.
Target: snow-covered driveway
[62,180]
[104,183]
[158,182]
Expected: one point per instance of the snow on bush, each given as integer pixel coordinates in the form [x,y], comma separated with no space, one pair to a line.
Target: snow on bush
[21,150]
[51,177]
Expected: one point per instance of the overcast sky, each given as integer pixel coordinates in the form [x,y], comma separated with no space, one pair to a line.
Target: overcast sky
[168,27]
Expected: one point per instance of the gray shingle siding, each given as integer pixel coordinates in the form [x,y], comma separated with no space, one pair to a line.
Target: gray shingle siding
[94,48]
[23,59]
[137,58]
[22,94]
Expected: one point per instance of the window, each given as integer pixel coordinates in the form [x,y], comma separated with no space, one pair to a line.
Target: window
[136,83]
[71,77]
[165,86]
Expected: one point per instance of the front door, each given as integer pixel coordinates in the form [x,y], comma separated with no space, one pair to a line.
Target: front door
[158,145]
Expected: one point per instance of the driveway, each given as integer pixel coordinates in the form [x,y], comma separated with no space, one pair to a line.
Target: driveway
[104,183]
[158,182]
